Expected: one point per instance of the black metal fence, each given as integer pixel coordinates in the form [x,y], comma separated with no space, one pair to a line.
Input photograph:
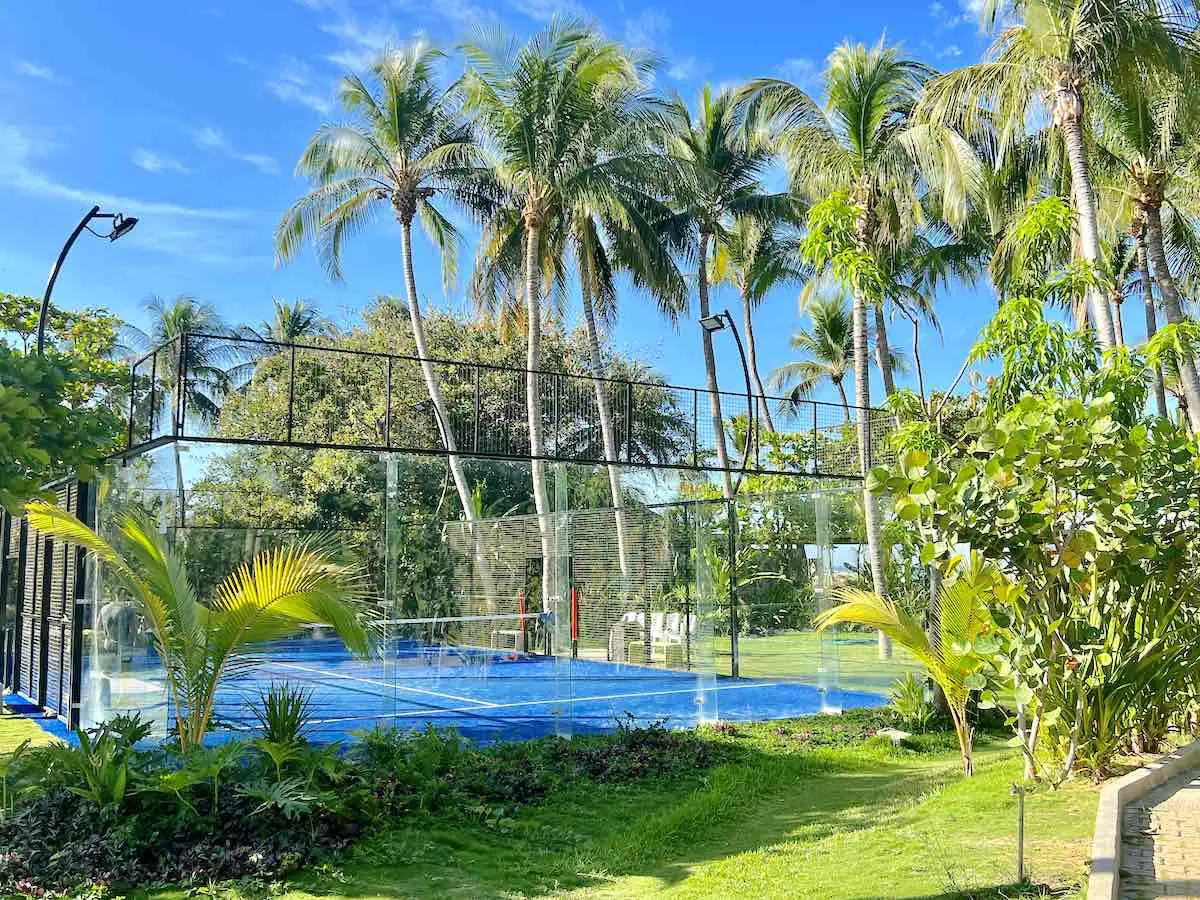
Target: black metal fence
[208,387]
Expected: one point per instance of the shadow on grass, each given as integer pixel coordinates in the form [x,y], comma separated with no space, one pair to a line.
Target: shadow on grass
[584,837]
[998,892]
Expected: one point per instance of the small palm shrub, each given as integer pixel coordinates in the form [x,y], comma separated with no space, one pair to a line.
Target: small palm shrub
[909,703]
[202,642]
[283,713]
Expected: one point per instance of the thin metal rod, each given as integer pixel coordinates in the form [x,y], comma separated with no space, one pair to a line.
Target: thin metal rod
[58,264]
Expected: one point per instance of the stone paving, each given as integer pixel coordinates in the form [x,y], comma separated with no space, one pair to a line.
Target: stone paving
[1160,843]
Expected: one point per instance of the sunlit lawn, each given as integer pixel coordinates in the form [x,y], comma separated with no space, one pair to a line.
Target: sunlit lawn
[784,820]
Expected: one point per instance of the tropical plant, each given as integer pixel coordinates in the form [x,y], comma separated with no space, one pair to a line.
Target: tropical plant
[282,713]
[203,643]
[755,258]
[9,762]
[1147,136]
[290,322]
[720,163]
[909,702]
[948,648]
[543,107]
[1053,56]
[405,146]
[613,226]
[828,345]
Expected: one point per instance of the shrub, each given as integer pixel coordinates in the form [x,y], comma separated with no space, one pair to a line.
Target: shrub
[283,712]
[908,702]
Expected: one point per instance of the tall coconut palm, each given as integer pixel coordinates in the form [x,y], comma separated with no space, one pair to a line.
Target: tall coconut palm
[828,347]
[613,228]
[1148,133]
[1054,55]
[541,107]
[404,147]
[289,323]
[756,257]
[865,143]
[720,167]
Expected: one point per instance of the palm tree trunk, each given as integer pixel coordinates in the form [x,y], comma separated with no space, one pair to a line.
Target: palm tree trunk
[606,424]
[1118,325]
[845,400]
[1160,392]
[449,442]
[916,324]
[752,354]
[1173,307]
[710,367]
[533,398]
[431,383]
[1069,116]
[862,398]
[883,351]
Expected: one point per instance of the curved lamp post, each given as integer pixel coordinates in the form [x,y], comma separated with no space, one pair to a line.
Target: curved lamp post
[719,322]
[121,225]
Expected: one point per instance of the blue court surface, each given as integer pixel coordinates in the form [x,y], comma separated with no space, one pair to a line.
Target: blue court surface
[491,696]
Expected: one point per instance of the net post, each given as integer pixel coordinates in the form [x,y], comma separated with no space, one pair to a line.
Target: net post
[475,432]
[629,421]
[695,428]
[180,385]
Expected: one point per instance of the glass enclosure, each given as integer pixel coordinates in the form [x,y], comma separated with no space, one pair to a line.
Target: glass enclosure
[677,607]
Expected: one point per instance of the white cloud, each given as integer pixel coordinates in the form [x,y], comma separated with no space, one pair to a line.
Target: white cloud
[545,10]
[33,70]
[17,150]
[156,163]
[648,28]
[209,138]
[684,69]
[293,84]
[361,44]
[802,71]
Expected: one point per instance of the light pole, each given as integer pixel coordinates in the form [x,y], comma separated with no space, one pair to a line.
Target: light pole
[719,322]
[121,225]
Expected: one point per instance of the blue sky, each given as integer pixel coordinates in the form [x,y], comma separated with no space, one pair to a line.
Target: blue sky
[192,115]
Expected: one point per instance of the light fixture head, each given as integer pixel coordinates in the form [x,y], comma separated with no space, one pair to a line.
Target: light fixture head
[713,323]
[122,225]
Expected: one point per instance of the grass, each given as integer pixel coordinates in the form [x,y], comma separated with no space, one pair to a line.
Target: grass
[849,658]
[15,729]
[808,808]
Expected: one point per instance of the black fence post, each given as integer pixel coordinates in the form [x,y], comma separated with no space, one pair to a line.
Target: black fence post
[180,385]
[132,394]
[629,421]
[387,409]
[816,466]
[153,379]
[695,427]
[475,431]
[731,513]
[291,394]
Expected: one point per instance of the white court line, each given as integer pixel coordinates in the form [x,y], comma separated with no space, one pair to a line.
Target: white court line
[498,706]
[386,684]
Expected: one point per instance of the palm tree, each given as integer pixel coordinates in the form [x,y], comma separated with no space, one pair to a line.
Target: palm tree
[211,361]
[755,258]
[543,107]
[405,146]
[1147,132]
[611,229]
[948,654]
[290,323]
[202,643]
[1054,55]
[866,144]
[718,181]
[828,346]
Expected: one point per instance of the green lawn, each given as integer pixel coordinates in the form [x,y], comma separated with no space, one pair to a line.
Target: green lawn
[787,819]
[15,729]
[852,658]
